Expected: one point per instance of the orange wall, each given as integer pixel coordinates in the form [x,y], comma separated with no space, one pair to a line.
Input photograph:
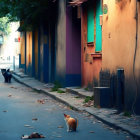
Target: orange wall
[119,35]
[22,48]
[90,66]
[119,42]
[36,52]
[28,48]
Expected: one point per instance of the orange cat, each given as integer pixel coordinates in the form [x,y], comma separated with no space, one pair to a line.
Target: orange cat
[71,123]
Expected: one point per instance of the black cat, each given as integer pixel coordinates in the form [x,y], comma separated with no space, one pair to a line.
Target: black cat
[7,75]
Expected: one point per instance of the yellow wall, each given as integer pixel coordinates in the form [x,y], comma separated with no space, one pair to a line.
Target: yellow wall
[36,53]
[119,41]
[22,48]
[28,48]
[119,29]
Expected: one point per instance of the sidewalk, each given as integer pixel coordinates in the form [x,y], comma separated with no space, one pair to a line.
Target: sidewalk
[75,101]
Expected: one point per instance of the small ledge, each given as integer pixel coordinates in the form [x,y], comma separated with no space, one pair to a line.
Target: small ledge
[90,44]
[96,55]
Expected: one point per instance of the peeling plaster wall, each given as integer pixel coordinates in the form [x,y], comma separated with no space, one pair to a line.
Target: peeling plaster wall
[43,55]
[61,42]
[90,66]
[119,41]
[73,47]
[22,49]
[29,53]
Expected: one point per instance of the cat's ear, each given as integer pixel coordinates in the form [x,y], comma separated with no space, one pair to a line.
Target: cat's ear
[65,115]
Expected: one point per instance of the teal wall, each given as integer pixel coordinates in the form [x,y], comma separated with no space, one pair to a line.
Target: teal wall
[90,23]
[98,26]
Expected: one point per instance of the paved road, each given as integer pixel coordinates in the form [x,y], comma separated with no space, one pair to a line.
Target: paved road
[18,106]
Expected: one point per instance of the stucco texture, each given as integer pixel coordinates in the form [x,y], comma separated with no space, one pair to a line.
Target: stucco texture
[90,66]
[22,48]
[29,52]
[61,42]
[118,45]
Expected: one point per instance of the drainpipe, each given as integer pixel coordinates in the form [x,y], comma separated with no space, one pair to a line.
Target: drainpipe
[134,60]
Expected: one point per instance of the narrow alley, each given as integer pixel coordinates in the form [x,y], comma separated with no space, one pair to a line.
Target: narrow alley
[21,113]
[76,58]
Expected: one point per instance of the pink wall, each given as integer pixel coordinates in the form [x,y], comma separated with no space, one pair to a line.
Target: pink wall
[90,65]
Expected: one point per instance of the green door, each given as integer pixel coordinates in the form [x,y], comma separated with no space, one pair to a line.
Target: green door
[98,26]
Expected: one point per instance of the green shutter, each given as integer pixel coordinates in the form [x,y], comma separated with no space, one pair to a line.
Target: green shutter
[90,24]
[98,26]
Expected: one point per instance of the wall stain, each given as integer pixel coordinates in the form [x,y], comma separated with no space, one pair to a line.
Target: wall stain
[107,18]
[122,3]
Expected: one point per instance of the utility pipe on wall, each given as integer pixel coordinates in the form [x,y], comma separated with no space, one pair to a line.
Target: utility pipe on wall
[134,60]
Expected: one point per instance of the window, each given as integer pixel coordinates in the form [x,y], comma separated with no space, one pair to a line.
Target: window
[98,47]
[94,29]
[90,24]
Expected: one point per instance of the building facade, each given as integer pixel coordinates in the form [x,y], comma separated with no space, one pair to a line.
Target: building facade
[87,36]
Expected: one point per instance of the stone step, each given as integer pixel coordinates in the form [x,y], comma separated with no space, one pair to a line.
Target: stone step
[20,74]
[79,92]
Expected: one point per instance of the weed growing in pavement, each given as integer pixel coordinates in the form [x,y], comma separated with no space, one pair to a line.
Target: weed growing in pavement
[60,91]
[127,114]
[88,98]
[86,88]
[57,85]
[76,97]
[71,108]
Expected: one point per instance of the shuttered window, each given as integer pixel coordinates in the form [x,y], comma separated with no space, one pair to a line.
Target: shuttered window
[98,27]
[90,24]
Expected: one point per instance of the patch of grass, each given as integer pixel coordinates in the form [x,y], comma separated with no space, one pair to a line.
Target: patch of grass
[54,89]
[71,108]
[76,97]
[127,114]
[57,85]
[60,91]
[86,88]
[88,98]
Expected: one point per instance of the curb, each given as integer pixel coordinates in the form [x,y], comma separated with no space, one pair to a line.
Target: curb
[47,93]
[75,93]
[20,75]
[113,125]
[104,120]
